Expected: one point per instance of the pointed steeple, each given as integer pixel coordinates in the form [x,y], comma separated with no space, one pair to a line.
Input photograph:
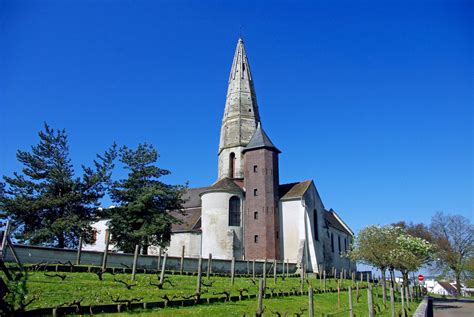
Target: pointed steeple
[260,140]
[241,111]
[240,116]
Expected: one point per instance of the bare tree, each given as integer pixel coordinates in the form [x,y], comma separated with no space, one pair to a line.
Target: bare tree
[454,240]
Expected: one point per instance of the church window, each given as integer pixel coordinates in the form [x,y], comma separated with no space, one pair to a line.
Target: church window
[255,215]
[339,244]
[234,211]
[332,242]
[255,192]
[255,238]
[250,110]
[255,168]
[316,229]
[232,165]
[278,236]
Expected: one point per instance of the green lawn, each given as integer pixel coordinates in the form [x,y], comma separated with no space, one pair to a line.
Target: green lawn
[53,292]
[324,304]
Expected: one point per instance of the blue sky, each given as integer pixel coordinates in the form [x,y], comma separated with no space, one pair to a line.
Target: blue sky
[371,99]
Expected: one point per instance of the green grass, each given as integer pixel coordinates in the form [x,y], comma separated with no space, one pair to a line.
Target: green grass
[324,304]
[54,292]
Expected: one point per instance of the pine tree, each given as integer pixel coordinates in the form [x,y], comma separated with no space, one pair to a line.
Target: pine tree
[47,203]
[142,215]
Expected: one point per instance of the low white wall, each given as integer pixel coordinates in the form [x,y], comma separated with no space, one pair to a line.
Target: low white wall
[190,240]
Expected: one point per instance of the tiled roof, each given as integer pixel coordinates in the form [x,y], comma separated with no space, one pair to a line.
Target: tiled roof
[293,190]
[334,222]
[225,184]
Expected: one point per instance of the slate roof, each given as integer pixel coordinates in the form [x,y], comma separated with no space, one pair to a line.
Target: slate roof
[260,140]
[192,198]
[293,190]
[334,222]
[190,220]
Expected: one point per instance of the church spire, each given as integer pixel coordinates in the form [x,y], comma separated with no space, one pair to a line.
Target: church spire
[240,115]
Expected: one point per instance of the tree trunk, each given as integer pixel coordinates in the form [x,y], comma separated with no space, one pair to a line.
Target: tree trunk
[392,277]
[458,284]
[61,241]
[384,287]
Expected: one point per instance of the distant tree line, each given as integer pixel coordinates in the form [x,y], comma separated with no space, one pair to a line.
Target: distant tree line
[445,246]
[50,204]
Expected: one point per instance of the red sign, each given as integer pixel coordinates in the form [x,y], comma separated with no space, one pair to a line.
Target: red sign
[421,277]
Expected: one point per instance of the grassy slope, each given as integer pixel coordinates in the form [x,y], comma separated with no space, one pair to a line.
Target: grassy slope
[323,304]
[52,291]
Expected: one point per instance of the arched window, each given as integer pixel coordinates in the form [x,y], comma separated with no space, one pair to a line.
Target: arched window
[234,211]
[232,165]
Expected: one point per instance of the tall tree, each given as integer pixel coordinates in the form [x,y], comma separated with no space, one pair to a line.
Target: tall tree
[48,204]
[373,246]
[142,215]
[454,241]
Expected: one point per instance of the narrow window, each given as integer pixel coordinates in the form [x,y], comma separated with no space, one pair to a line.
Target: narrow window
[255,215]
[339,244]
[255,192]
[345,244]
[316,228]
[231,165]
[255,168]
[278,236]
[332,242]
[255,238]
[234,211]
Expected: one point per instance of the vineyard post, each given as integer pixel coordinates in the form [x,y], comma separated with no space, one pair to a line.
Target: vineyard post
[274,271]
[261,289]
[198,283]
[370,301]
[232,271]
[351,310]
[392,301]
[310,302]
[181,263]
[135,258]
[403,303]
[159,260]
[106,249]
[209,265]
[163,267]
[253,269]
[79,251]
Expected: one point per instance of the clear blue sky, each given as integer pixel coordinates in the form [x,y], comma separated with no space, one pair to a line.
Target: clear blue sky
[372,100]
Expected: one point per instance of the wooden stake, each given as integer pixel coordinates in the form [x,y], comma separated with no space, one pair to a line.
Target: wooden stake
[209,265]
[310,302]
[287,268]
[370,301]
[324,276]
[392,301]
[274,271]
[261,289]
[265,275]
[79,251]
[135,259]
[106,249]
[198,283]
[159,260]
[339,294]
[351,310]
[181,263]
[357,292]
[253,269]
[163,268]
[232,271]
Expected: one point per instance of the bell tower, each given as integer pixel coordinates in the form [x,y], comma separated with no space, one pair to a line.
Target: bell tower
[261,182]
[240,116]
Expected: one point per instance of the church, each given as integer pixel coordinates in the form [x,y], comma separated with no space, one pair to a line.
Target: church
[247,214]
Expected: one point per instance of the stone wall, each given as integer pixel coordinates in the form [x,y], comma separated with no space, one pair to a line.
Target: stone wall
[34,254]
